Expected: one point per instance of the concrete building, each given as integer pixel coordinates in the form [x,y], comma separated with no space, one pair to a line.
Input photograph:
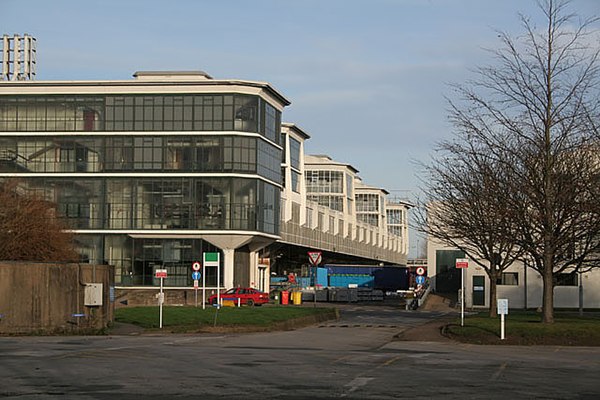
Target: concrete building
[152,172]
[521,286]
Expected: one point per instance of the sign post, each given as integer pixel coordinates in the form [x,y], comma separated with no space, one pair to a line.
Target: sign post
[420,279]
[195,277]
[502,310]
[210,260]
[160,273]
[315,257]
[462,263]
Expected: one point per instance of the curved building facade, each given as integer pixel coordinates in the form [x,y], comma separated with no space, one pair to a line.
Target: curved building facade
[152,172]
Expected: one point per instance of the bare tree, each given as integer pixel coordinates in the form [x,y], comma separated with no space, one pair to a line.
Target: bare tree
[30,229]
[469,210]
[534,114]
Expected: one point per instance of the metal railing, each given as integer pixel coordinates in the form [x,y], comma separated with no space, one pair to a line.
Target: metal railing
[387,250]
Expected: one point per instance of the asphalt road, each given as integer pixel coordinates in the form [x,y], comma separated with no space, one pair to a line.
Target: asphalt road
[354,358]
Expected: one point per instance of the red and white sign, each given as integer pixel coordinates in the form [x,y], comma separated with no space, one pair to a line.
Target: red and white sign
[160,273]
[420,271]
[195,283]
[314,257]
[462,263]
[196,266]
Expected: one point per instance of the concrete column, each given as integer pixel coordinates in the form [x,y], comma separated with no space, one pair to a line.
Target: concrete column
[228,258]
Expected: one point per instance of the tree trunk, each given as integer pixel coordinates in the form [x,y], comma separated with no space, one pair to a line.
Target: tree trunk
[548,299]
[493,297]
[493,275]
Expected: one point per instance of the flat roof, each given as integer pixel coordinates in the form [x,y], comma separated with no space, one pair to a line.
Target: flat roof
[149,79]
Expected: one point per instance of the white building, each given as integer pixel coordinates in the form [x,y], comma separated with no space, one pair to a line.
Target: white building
[521,286]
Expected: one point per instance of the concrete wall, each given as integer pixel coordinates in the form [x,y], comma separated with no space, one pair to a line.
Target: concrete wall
[564,296]
[129,297]
[48,297]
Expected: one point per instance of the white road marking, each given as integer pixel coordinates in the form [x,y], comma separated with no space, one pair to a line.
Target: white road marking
[356,383]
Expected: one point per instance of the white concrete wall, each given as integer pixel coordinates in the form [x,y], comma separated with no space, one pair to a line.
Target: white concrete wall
[564,296]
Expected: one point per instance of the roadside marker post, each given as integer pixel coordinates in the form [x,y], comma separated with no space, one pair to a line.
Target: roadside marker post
[502,310]
[462,263]
[162,274]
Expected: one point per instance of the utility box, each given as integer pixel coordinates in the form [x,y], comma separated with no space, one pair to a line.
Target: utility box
[93,294]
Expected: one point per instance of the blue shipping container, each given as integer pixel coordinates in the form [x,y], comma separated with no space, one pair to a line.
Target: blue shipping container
[387,278]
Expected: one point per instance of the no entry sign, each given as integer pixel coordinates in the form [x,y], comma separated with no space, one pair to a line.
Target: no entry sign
[160,273]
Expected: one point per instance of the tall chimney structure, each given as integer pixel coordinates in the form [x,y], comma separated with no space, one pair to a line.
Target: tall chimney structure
[18,58]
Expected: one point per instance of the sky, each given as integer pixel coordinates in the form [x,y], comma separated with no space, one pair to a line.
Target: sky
[367,79]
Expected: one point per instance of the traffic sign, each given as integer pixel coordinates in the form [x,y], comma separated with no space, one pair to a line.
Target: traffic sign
[420,271]
[420,279]
[314,257]
[462,263]
[195,283]
[196,266]
[502,306]
[160,273]
[211,259]
[195,275]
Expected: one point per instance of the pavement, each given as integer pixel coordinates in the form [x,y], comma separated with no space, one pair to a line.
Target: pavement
[432,331]
[122,329]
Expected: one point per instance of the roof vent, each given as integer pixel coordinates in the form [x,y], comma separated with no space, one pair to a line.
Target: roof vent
[171,75]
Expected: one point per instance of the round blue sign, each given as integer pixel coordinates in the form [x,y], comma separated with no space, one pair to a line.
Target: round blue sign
[195,275]
[420,279]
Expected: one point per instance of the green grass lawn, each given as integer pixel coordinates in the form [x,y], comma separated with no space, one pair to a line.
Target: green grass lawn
[526,328]
[189,319]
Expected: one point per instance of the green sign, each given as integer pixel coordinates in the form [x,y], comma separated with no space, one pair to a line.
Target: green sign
[211,259]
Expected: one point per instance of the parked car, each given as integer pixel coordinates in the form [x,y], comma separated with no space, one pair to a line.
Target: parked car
[248,296]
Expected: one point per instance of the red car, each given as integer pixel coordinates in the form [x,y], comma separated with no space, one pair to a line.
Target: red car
[248,296]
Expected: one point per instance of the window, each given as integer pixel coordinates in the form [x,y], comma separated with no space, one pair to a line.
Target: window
[567,279]
[508,278]
[367,202]
[294,153]
[324,182]
[295,182]
[208,112]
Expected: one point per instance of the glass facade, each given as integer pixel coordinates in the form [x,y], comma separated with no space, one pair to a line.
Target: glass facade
[114,113]
[206,153]
[136,259]
[326,188]
[324,182]
[368,207]
[367,202]
[395,221]
[162,203]
[141,168]
[333,202]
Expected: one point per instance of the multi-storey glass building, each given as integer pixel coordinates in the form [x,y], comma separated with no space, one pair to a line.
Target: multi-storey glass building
[153,171]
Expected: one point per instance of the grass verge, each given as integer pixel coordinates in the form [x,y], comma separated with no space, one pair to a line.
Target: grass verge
[236,319]
[526,328]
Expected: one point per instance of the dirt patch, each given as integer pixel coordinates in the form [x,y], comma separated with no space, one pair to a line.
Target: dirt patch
[433,331]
